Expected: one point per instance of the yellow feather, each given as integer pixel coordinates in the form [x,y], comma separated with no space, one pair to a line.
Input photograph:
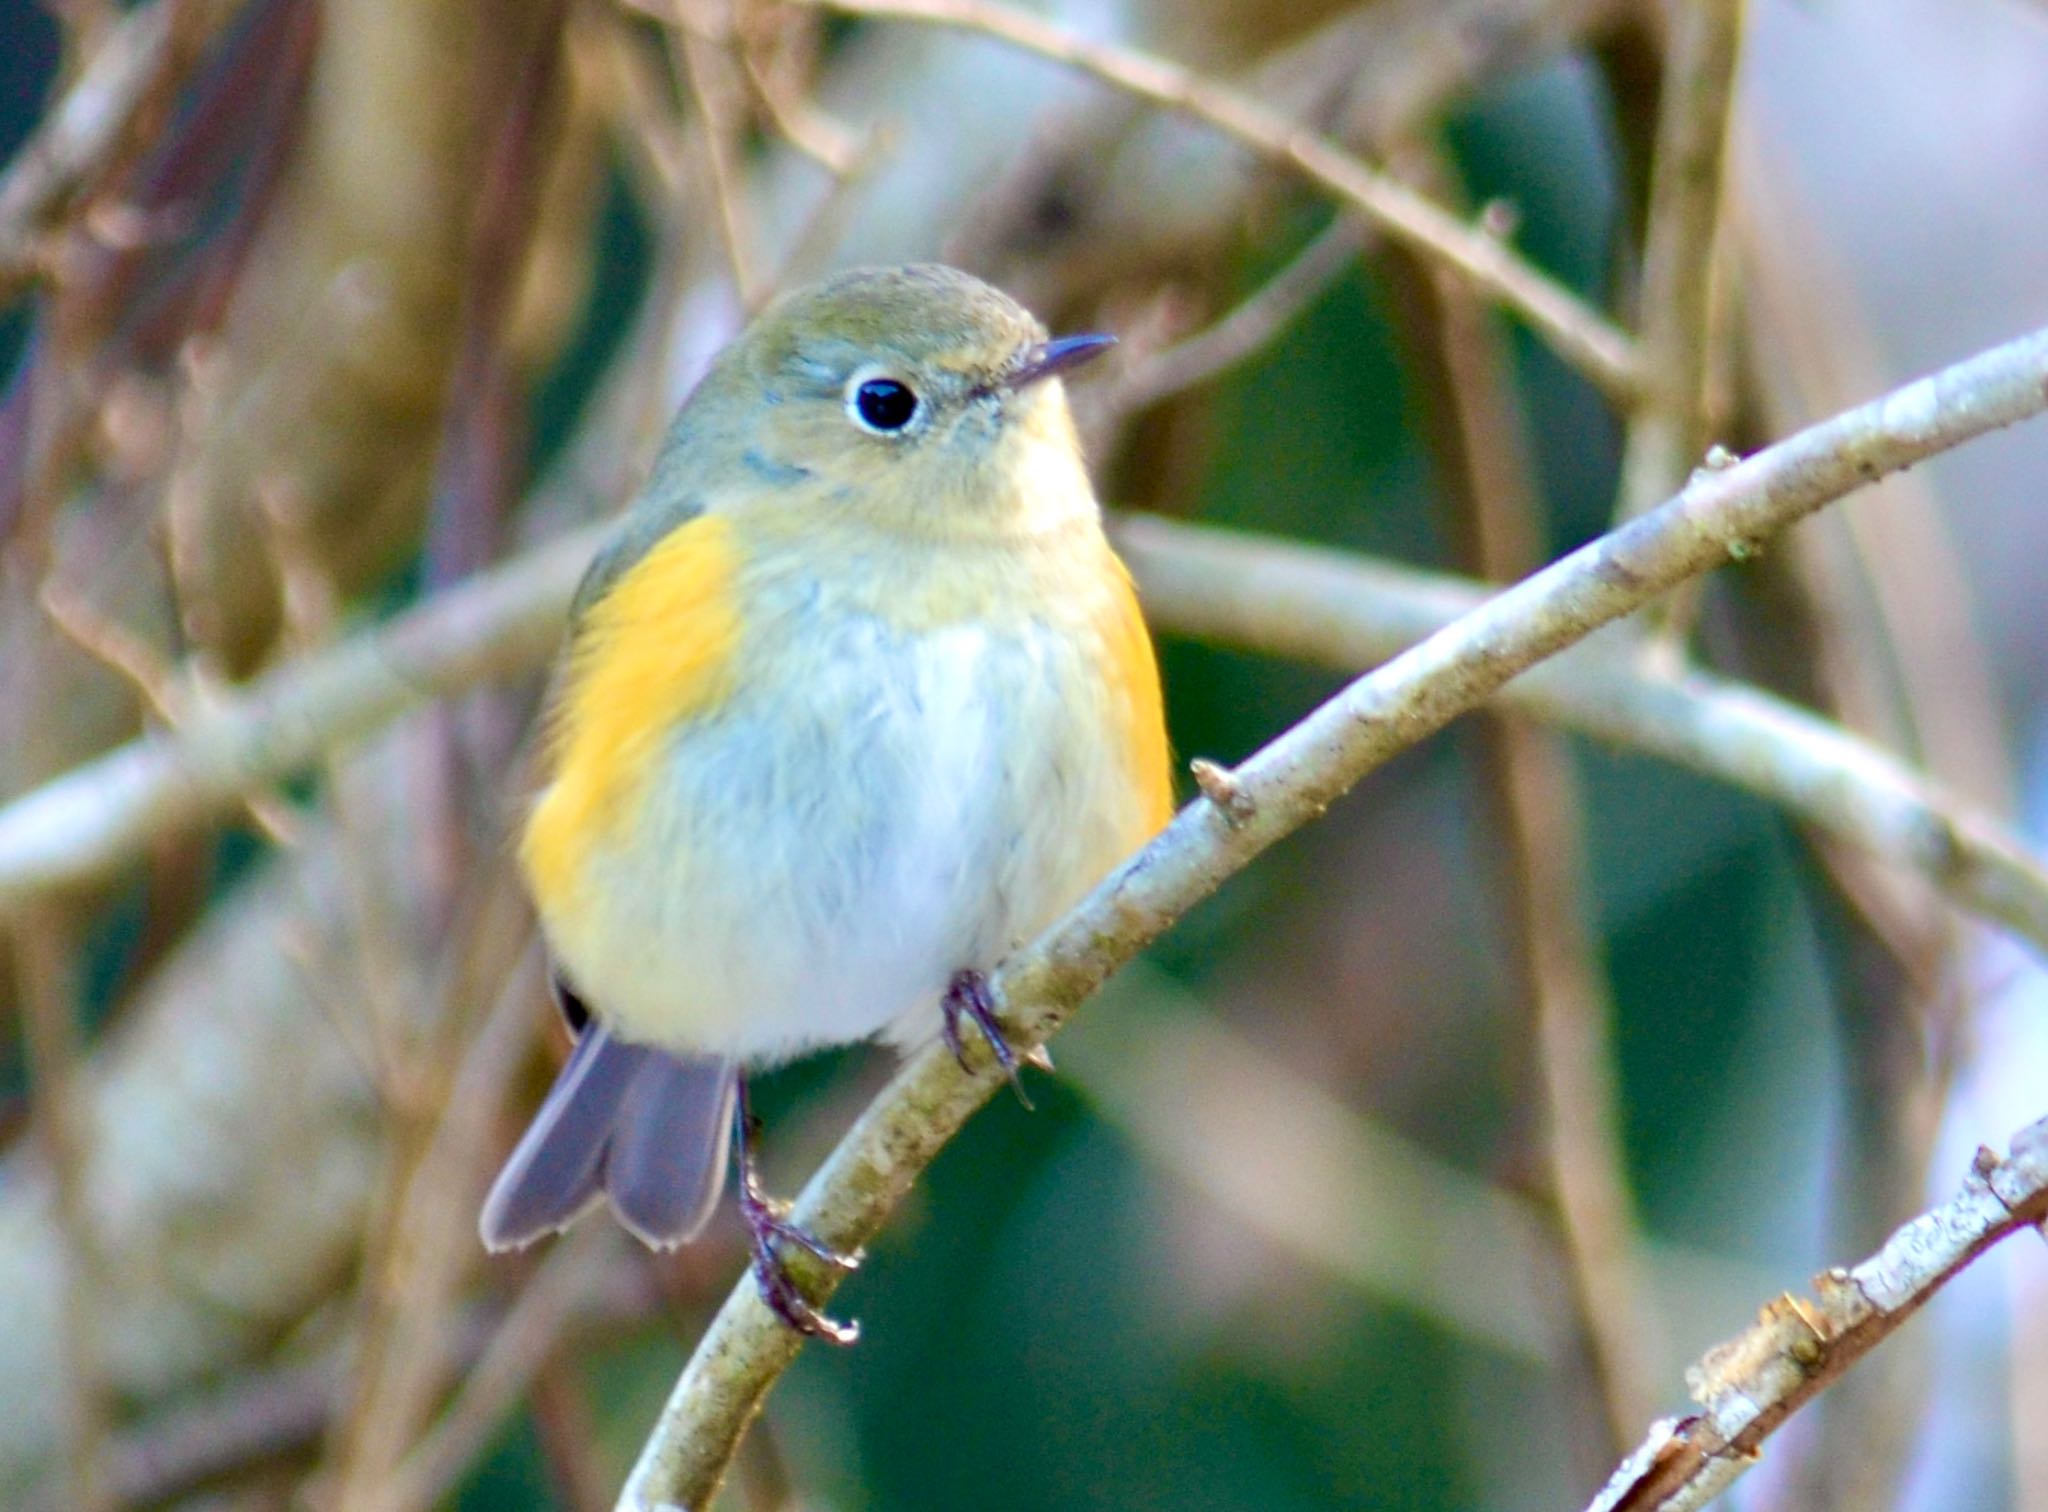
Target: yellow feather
[656,649]
[1134,678]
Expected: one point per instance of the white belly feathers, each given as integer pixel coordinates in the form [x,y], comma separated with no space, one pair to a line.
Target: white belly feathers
[818,860]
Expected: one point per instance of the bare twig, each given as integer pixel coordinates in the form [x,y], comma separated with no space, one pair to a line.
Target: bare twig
[1326,606]
[1286,599]
[1666,435]
[1800,1346]
[429,1245]
[139,664]
[1487,469]
[1262,318]
[1579,334]
[101,815]
[709,72]
[763,46]
[269,1412]
[1292,781]
[491,1387]
[77,140]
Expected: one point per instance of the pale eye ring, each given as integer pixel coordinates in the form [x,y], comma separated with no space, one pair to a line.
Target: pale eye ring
[880,404]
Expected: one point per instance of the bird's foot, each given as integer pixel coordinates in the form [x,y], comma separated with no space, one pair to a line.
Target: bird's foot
[967,996]
[768,1230]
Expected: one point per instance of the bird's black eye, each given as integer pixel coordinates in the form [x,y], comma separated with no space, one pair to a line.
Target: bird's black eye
[883,404]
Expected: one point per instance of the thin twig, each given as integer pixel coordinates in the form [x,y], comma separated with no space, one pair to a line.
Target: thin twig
[1326,606]
[77,141]
[1235,588]
[102,815]
[708,72]
[797,118]
[406,1349]
[1666,436]
[1800,1346]
[1489,471]
[265,1413]
[157,682]
[528,1334]
[1291,782]
[1263,316]
[1580,335]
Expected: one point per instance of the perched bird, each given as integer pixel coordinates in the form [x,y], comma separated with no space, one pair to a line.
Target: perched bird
[856,699]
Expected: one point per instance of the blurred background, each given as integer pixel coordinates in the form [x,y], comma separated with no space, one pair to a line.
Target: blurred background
[1411,1170]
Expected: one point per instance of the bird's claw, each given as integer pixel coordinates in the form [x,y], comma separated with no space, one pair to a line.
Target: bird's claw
[967,996]
[767,1229]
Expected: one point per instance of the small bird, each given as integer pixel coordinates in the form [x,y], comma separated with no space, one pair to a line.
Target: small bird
[856,699]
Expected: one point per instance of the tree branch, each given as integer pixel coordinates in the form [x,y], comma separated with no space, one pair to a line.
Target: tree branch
[85,825]
[1236,588]
[1579,334]
[1283,786]
[1331,607]
[84,134]
[1798,1346]
[1666,435]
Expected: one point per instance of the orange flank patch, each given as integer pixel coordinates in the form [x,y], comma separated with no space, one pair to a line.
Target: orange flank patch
[657,648]
[1134,680]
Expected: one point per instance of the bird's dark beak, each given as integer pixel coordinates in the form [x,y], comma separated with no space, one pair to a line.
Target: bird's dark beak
[1050,358]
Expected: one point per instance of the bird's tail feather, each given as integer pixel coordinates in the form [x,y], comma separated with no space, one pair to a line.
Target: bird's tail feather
[644,1128]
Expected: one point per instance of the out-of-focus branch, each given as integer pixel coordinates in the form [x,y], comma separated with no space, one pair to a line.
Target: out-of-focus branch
[437,1177]
[212,1238]
[1666,435]
[46,944]
[325,391]
[85,825]
[494,1381]
[1489,481]
[268,1412]
[1341,1193]
[1800,1346]
[1578,333]
[1259,320]
[81,138]
[1245,590]
[1107,194]
[1336,609]
[1283,786]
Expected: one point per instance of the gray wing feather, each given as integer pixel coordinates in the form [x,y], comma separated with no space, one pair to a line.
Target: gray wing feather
[631,1121]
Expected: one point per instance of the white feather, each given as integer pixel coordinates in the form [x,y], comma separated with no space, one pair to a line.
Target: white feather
[817,861]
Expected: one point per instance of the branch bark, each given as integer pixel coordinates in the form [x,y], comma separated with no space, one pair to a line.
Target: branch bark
[1667,435]
[85,825]
[1234,588]
[1800,1346]
[1579,334]
[1333,608]
[1283,786]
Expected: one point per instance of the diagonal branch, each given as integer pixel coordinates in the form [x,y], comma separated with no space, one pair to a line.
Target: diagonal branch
[1579,334]
[81,138]
[1798,1347]
[1280,788]
[85,825]
[1334,608]
[1231,587]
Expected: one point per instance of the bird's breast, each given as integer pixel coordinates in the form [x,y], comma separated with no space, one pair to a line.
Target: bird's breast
[874,805]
